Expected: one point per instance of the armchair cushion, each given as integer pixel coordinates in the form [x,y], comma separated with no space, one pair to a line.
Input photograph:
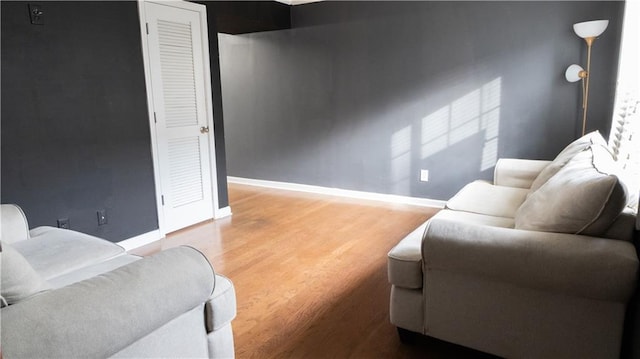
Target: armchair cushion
[92,270]
[18,279]
[54,251]
[582,198]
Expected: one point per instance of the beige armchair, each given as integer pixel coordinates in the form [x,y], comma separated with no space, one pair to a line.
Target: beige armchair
[517,269]
[66,294]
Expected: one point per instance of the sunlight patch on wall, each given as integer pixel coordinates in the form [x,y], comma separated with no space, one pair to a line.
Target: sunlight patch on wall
[478,110]
[464,120]
[401,160]
[490,122]
[434,132]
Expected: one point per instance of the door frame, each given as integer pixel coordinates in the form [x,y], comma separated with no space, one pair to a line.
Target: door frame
[202,11]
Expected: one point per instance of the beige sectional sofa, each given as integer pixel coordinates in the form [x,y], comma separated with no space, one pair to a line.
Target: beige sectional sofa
[66,294]
[538,264]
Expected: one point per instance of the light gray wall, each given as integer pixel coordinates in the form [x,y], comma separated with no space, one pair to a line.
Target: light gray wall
[362,95]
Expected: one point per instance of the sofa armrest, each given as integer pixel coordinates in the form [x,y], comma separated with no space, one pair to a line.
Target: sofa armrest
[511,172]
[13,224]
[100,316]
[575,265]
[220,309]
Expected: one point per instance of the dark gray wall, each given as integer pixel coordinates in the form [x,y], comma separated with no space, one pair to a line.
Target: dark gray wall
[241,17]
[362,95]
[75,131]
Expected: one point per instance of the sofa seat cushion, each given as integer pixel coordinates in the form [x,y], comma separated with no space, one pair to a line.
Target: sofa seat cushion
[92,270]
[405,259]
[475,218]
[584,197]
[485,198]
[53,251]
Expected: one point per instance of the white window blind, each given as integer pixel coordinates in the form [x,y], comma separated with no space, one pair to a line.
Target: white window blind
[624,139]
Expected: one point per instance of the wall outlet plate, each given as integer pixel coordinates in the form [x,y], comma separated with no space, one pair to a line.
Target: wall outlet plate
[36,14]
[63,223]
[424,175]
[102,217]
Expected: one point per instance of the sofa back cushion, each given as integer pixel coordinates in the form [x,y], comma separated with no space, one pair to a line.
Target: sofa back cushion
[575,147]
[18,279]
[584,197]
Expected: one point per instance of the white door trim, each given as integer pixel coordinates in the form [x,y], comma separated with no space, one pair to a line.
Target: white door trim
[201,9]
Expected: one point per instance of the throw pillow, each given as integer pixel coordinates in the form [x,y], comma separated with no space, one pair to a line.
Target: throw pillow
[18,280]
[584,197]
[575,147]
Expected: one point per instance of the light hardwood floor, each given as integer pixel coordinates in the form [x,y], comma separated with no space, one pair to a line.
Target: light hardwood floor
[310,274]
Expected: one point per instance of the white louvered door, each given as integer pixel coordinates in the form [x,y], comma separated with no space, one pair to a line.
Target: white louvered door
[183,143]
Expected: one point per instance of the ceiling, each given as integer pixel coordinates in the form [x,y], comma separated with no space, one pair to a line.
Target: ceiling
[297,2]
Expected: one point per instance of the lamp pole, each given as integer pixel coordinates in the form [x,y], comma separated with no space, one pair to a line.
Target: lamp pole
[589,41]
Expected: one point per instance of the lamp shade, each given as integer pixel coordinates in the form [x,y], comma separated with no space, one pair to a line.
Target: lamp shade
[573,73]
[590,28]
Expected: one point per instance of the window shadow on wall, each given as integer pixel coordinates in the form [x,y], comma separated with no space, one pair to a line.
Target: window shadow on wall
[477,112]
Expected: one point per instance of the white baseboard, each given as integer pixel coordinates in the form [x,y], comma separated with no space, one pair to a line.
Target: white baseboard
[222,212]
[389,198]
[141,240]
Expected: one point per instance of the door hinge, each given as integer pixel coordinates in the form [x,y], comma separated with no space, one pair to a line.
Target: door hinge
[147,24]
[155,119]
[162,198]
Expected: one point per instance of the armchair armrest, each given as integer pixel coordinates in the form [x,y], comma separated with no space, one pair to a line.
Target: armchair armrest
[220,309]
[511,172]
[100,316]
[588,267]
[13,224]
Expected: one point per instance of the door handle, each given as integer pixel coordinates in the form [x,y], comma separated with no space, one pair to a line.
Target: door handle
[204,129]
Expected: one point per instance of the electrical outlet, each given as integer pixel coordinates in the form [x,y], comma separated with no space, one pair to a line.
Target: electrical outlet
[424,175]
[63,223]
[36,14]
[102,217]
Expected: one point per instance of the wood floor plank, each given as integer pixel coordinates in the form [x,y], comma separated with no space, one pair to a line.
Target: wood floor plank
[310,274]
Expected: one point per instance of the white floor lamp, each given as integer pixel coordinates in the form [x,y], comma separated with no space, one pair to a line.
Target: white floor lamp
[589,31]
